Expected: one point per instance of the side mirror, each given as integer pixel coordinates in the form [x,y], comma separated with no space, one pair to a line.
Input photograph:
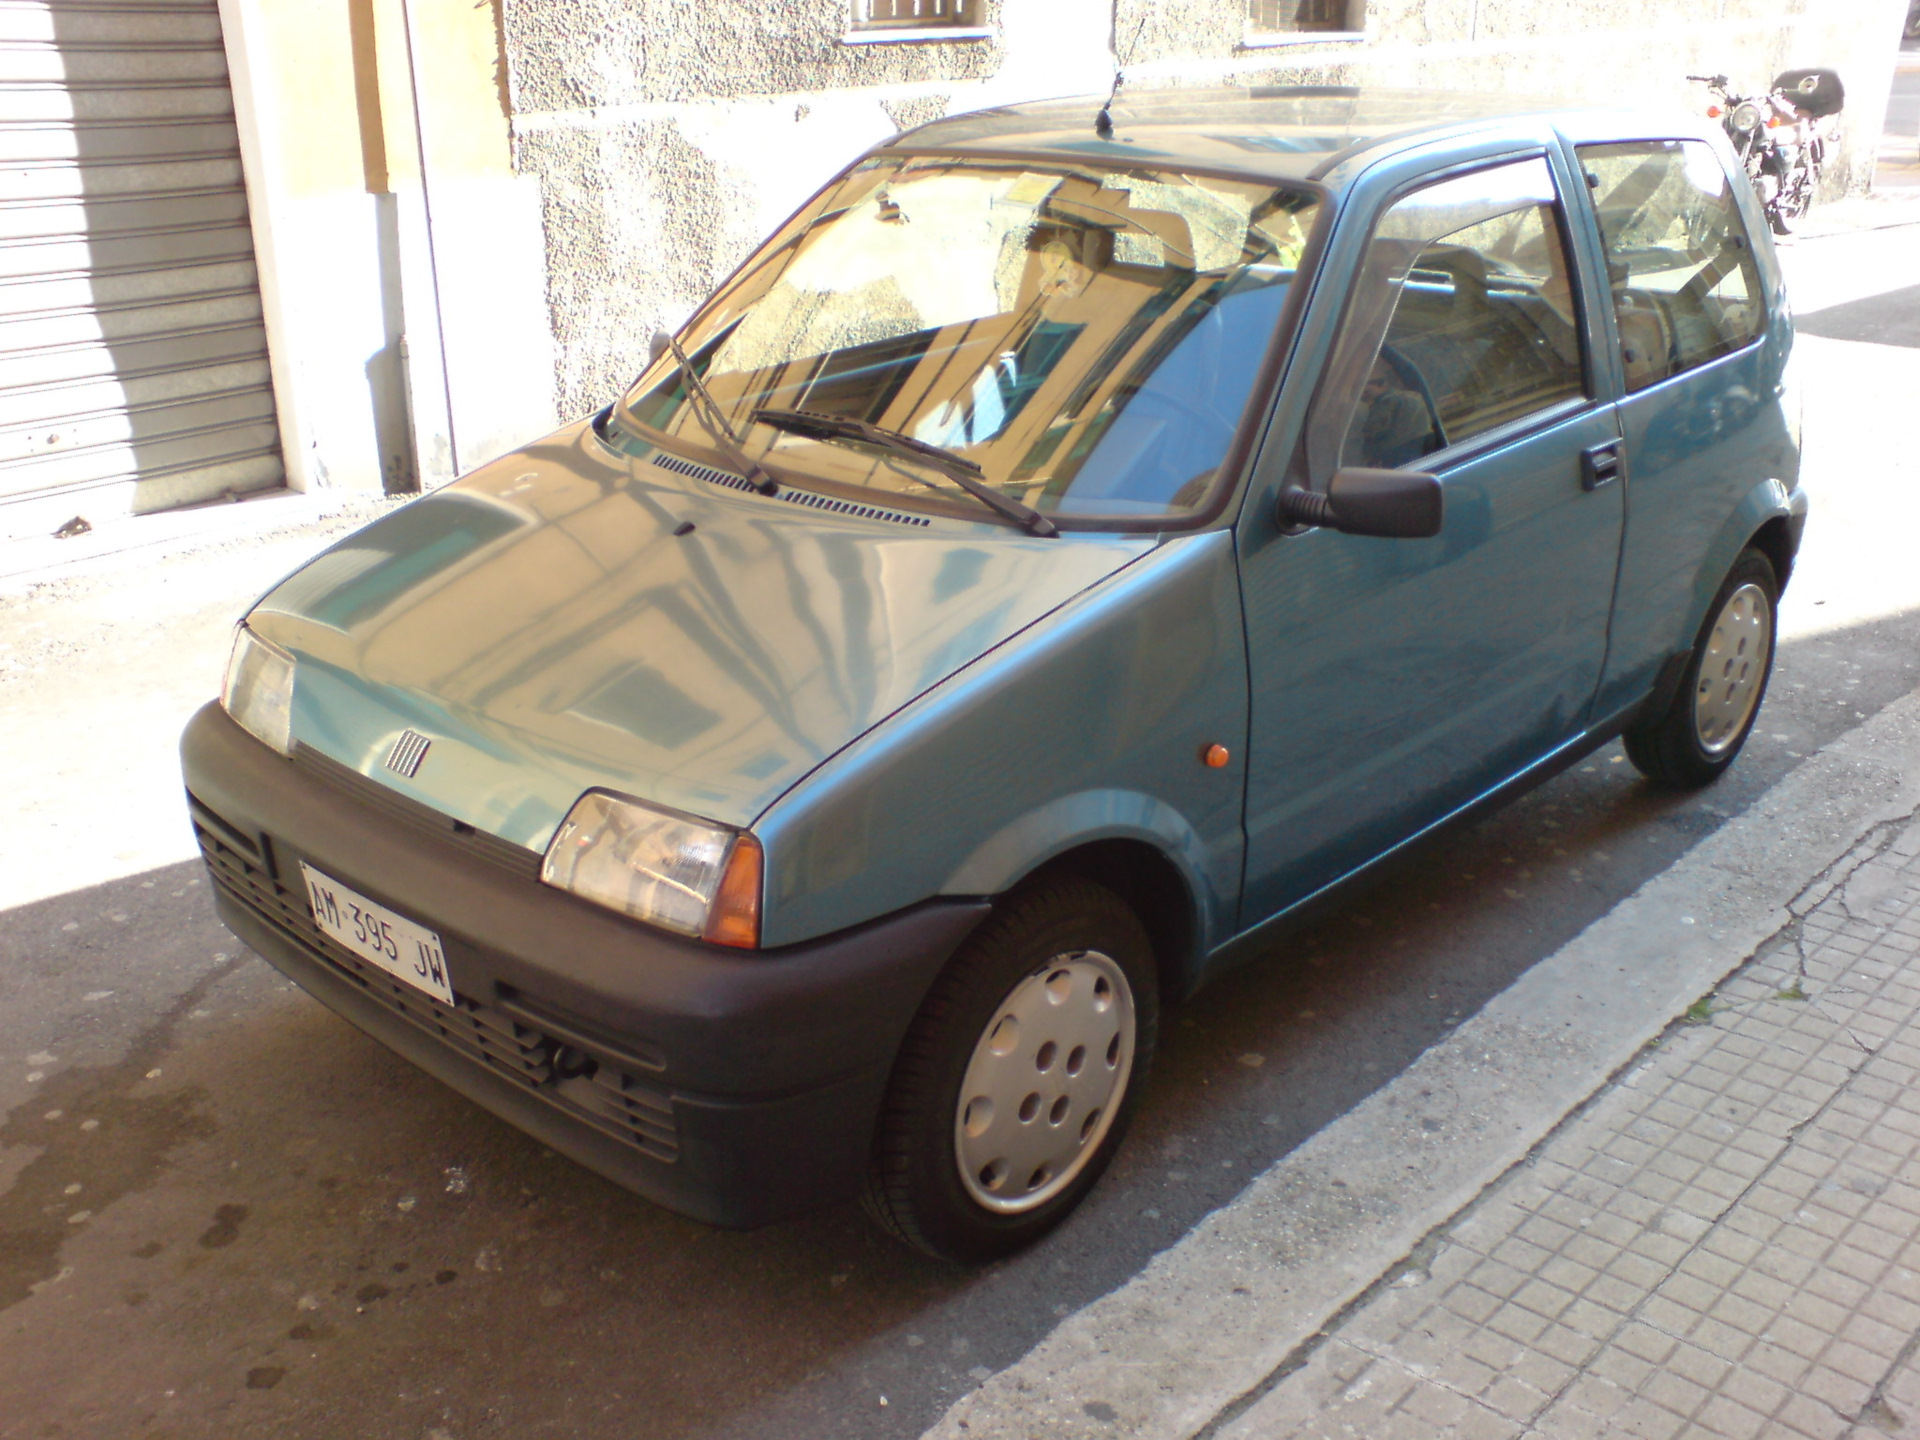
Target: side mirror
[659,344]
[1393,504]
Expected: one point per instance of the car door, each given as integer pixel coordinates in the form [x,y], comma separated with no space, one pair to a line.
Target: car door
[1393,681]
[1701,422]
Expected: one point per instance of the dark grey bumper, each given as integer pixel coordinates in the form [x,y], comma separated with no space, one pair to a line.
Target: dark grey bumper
[732,1086]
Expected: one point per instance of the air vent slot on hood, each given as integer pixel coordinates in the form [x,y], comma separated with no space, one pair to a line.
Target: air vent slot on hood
[789,494]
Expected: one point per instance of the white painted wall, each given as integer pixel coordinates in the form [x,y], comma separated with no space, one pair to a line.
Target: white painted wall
[456,267]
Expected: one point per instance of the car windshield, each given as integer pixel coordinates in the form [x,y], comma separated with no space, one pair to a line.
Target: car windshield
[1085,336]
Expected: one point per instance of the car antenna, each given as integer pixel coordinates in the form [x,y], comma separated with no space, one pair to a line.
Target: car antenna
[1103,122]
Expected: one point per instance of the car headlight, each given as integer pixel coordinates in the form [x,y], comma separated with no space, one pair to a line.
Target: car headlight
[258,692]
[1746,116]
[670,870]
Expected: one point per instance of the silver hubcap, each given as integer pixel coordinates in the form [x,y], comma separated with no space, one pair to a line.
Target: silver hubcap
[1732,668]
[1045,1079]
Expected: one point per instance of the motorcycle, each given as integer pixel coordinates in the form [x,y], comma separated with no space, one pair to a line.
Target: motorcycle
[1782,136]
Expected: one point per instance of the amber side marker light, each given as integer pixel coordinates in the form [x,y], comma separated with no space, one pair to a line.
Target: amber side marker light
[1713,112]
[1215,757]
[735,917]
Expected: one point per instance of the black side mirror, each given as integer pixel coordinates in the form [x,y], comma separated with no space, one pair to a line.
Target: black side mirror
[1394,504]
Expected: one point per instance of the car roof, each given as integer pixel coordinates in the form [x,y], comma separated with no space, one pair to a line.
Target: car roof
[1270,132]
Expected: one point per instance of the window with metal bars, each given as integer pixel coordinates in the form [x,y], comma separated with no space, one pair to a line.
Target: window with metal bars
[918,14]
[1282,17]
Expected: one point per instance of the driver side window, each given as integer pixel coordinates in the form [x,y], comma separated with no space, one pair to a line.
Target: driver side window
[1462,319]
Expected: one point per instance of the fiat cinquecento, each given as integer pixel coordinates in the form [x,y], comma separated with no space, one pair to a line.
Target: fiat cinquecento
[1072,543]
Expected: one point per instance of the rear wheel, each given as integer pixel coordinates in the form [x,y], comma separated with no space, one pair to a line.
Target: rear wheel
[1795,197]
[1015,1084]
[1712,714]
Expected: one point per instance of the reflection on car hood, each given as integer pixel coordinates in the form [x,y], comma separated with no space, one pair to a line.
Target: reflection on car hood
[543,625]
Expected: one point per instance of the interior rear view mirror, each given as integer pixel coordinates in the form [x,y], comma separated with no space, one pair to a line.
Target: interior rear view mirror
[1394,504]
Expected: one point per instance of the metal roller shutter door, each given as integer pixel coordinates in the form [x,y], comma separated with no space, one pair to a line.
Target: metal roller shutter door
[133,360]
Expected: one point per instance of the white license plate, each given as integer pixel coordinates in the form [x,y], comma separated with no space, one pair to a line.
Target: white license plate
[403,949]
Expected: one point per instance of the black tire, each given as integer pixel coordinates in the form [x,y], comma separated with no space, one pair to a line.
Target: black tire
[1778,220]
[1672,749]
[915,1187]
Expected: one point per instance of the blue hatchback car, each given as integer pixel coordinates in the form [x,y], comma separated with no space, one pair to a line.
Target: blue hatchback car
[1071,544]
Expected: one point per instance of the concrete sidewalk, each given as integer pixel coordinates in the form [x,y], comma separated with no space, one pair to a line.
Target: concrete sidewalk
[1726,1242]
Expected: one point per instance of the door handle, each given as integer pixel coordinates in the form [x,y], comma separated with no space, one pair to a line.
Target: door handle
[1601,464]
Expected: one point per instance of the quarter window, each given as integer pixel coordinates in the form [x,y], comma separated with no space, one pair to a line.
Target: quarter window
[1686,288]
[1462,319]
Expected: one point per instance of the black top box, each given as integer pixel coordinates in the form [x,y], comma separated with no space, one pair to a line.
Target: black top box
[1817,93]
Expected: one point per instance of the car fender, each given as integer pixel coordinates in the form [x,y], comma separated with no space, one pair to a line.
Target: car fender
[1769,500]
[1094,724]
[1048,831]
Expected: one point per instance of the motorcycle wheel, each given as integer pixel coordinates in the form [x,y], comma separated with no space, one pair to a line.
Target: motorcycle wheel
[1798,200]
[1773,203]
[1796,195]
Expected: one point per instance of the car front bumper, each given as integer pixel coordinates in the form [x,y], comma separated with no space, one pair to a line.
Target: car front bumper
[737,1087]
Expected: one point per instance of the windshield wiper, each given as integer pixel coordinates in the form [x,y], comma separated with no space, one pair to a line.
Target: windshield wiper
[707,411]
[957,468]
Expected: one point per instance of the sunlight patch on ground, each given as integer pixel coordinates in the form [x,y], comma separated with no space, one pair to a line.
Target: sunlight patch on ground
[1860,560]
[97,680]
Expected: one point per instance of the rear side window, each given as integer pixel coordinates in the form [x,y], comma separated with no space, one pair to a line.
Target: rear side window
[1686,288]
[1461,319]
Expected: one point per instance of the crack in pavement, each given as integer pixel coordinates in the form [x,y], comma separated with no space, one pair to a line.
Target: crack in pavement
[1877,1412]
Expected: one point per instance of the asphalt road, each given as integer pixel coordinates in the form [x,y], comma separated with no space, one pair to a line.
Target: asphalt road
[224,1212]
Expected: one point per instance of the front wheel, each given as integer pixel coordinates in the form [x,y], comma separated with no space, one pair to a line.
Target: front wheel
[1777,200]
[1701,732]
[1016,1081]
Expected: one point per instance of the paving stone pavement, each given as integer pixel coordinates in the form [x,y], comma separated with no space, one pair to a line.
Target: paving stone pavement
[1724,1242]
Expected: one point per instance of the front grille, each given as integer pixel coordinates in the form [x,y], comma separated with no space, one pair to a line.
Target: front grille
[424,818]
[598,1093]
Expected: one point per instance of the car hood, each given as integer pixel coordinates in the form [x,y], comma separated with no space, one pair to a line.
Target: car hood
[566,618]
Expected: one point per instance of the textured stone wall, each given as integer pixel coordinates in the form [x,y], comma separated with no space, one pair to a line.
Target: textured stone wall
[668,136]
